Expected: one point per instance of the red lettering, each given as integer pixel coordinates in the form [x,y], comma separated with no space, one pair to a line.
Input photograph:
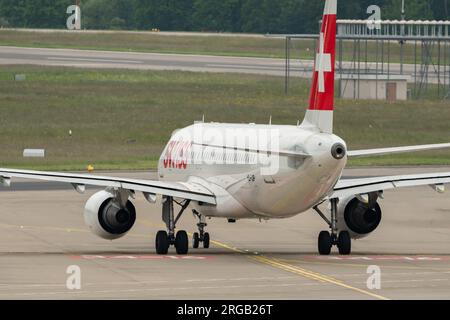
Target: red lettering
[176,155]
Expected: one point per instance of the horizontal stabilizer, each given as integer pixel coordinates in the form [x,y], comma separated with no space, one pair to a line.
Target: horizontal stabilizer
[386,151]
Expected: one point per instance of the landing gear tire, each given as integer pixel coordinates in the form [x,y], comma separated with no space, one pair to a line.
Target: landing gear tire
[206,240]
[325,243]
[166,239]
[182,242]
[344,243]
[326,239]
[162,242]
[201,235]
[196,240]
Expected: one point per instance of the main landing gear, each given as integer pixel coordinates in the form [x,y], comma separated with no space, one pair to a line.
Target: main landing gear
[328,239]
[165,239]
[201,235]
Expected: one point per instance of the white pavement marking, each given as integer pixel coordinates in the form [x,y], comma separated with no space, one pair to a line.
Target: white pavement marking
[161,289]
[94,60]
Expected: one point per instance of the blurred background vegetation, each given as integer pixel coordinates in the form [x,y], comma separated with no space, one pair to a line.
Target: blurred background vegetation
[249,16]
[121,119]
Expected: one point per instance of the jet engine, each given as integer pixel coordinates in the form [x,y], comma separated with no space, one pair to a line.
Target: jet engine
[359,216]
[107,216]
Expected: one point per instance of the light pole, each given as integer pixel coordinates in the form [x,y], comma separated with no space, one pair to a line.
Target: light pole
[402,32]
[403,10]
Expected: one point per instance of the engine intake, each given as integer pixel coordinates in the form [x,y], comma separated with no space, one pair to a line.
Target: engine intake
[114,219]
[360,218]
[106,218]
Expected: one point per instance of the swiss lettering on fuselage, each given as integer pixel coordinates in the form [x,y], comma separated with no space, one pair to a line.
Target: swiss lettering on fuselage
[177,155]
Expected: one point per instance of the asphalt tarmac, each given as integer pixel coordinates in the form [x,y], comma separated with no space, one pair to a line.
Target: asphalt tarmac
[180,62]
[42,234]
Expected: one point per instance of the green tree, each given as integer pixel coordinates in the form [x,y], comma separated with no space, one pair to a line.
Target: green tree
[255,16]
[415,10]
[96,14]
[124,14]
[164,14]
[440,9]
[35,13]
[291,13]
[216,15]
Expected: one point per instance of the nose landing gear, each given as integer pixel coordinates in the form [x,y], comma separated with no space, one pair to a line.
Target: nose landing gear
[329,239]
[201,235]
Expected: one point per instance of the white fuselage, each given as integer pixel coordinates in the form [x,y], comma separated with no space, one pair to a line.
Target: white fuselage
[234,162]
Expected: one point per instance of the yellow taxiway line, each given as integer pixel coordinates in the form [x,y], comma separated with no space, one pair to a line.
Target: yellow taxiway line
[300,271]
[255,257]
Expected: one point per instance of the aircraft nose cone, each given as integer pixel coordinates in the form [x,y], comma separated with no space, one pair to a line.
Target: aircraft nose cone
[338,151]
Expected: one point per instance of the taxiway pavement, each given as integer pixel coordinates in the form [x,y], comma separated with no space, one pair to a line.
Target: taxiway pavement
[183,62]
[42,233]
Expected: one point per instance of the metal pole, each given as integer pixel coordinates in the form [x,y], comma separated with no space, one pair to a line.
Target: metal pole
[359,69]
[401,57]
[447,56]
[366,53]
[402,33]
[289,62]
[286,81]
[439,68]
[354,67]
[403,10]
[428,48]
[422,67]
[445,66]
[389,59]
[415,68]
[376,72]
[340,68]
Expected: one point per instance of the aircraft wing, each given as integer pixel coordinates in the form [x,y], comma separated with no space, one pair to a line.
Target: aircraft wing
[385,151]
[188,191]
[350,187]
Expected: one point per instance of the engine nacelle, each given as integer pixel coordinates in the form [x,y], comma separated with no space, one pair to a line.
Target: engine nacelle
[106,218]
[357,217]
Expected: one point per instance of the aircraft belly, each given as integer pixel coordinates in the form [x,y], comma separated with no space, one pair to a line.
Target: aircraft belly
[288,194]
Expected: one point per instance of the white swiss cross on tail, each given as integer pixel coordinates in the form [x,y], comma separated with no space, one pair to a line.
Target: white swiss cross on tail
[323,63]
[319,115]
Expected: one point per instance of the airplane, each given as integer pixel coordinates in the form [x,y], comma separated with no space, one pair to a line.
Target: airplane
[252,171]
